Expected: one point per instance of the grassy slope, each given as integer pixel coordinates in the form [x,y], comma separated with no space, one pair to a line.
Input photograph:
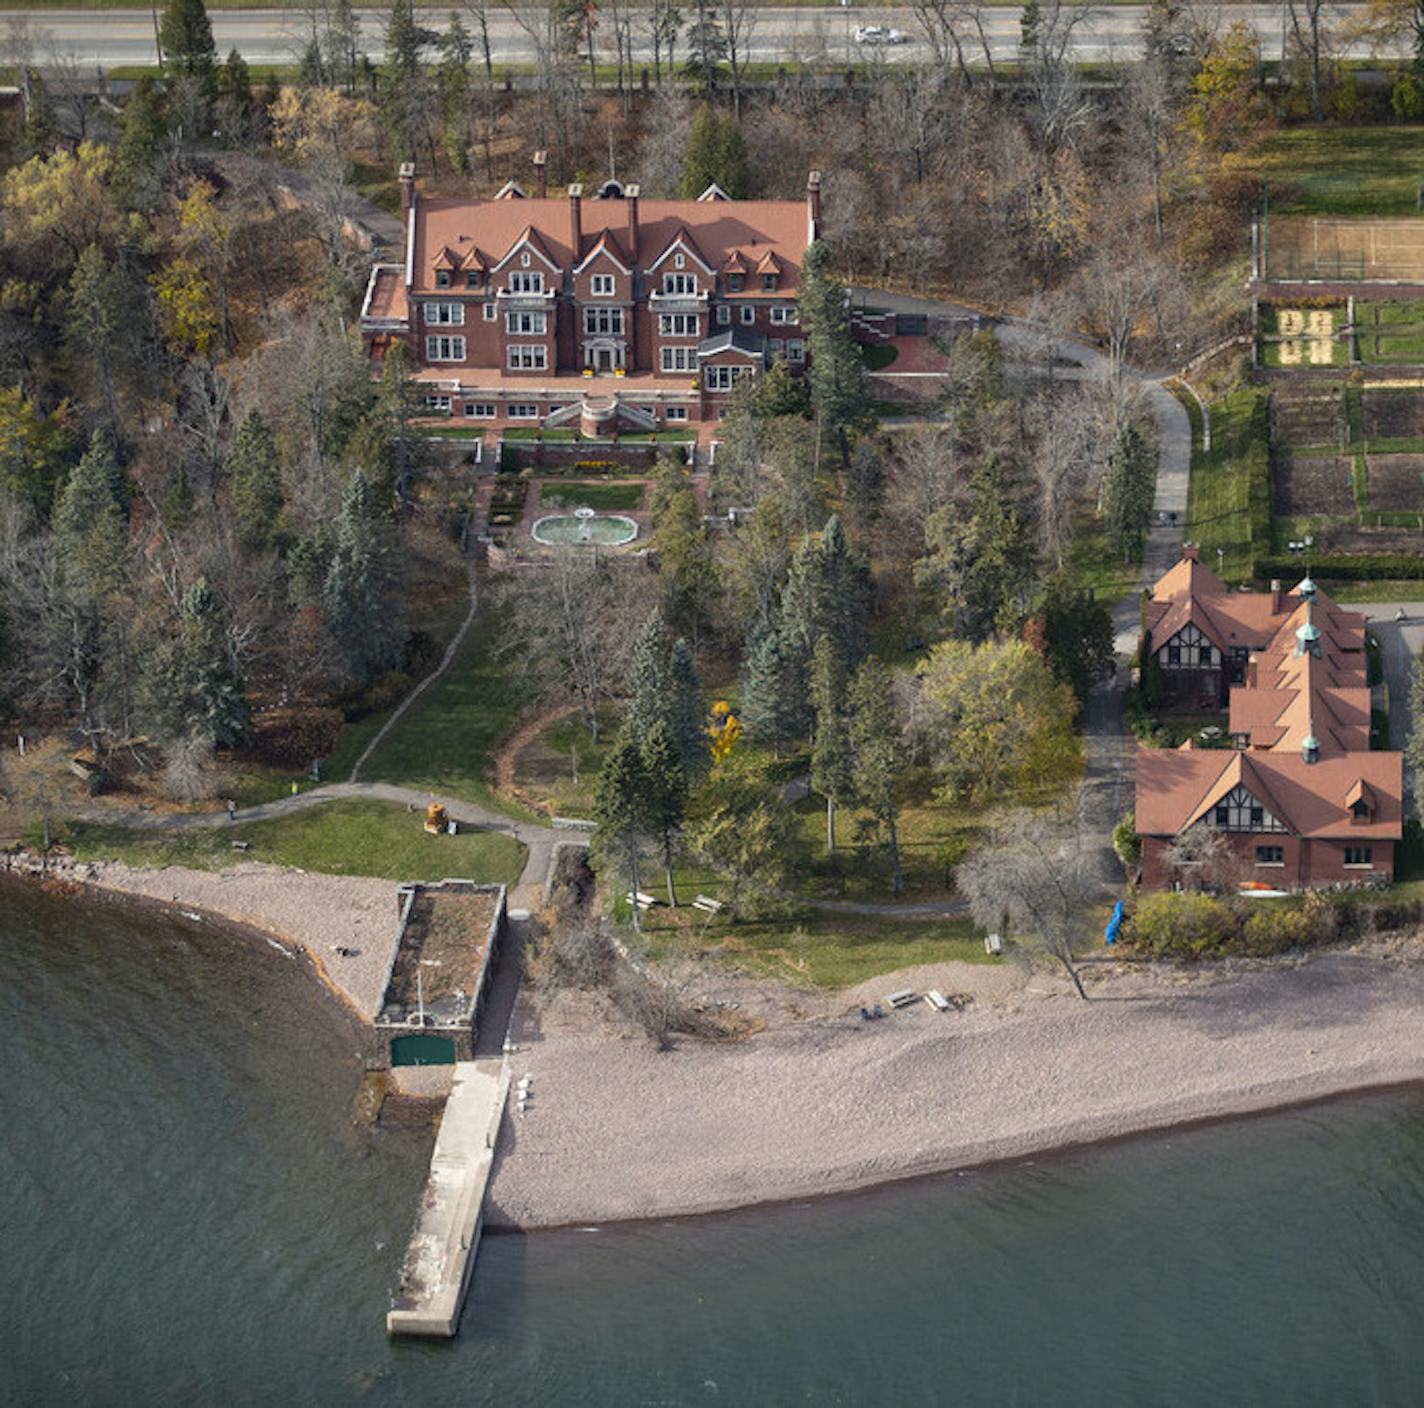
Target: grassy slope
[1343,170]
[336,838]
[1218,497]
[604,496]
[448,739]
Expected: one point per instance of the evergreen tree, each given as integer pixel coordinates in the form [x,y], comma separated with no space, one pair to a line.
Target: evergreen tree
[311,72]
[255,471]
[99,328]
[1414,747]
[185,40]
[400,86]
[235,100]
[706,47]
[827,593]
[359,597]
[775,708]
[620,807]
[195,688]
[879,751]
[831,757]
[39,131]
[980,566]
[692,585]
[1129,487]
[838,395]
[666,803]
[1074,633]
[701,161]
[136,180]
[456,47]
[90,522]
[663,688]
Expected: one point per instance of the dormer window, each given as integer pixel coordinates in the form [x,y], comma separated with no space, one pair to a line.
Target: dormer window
[1360,810]
[768,282]
[472,278]
[442,278]
[734,283]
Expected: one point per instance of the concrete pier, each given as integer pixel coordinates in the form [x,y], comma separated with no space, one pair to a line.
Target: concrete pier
[442,1250]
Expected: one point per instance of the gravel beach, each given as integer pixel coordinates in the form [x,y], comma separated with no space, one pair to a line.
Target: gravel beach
[616,1130]
[820,1101]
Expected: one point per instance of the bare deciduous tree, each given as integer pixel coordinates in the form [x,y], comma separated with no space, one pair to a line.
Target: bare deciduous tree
[1035,874]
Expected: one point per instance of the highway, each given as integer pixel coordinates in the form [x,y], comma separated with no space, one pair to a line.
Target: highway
[112,38]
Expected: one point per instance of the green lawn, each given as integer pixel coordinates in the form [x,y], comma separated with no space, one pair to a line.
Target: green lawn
[577,494]
[336,838]
[1308,352]
[446,742]
[1219,494]
[545,770]
[1094,562]
[1328,170]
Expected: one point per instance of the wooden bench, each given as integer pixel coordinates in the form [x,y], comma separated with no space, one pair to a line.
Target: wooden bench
[900,999]
[993,944]
[640,899]
[938,1000]
[708,905]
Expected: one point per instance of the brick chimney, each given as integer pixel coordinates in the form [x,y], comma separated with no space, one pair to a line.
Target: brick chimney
[541,174]
[576,220]
[1278,603]
[1191,552]
[406,179]
[631,194]
[813,207]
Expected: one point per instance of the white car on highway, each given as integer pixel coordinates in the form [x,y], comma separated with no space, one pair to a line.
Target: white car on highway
[878,34]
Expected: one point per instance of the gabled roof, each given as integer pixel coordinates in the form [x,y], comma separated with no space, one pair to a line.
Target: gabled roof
[530,238]
[736,263]
[511,190]
[716,229]
[688,245]
[607,244]
[768,263]
[714,192]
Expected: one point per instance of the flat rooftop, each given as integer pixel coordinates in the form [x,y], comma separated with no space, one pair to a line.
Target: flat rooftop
[446,941]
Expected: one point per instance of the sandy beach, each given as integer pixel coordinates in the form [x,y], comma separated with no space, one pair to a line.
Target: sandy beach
[820,1101]
[616,1130]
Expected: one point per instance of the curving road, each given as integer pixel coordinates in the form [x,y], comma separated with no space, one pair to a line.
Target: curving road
[806,34]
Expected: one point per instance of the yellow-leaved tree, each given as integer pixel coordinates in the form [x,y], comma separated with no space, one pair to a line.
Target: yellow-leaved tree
[998,726]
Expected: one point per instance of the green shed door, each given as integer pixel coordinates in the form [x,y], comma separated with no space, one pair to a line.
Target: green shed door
[422,1050]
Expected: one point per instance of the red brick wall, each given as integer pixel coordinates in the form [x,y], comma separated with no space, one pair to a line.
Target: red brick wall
[1305,862]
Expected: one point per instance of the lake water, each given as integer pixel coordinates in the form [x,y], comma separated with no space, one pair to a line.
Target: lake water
[188,1216]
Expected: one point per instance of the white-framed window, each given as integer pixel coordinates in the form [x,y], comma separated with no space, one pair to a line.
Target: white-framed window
[734,283]
[444,349]
[601,285]
[782,313]
[442,278]
[436,403]
[768,282]
[678,261]
[1361,856]
[524,260]
[526,324]
[679,283]
[479,410]
[777,347]
[1270,855]
[603,322]
[724,315]
[795,350]
[676,413]
[679,325]
[523,410]
[491,312]
[444,314]
[527,357]
[723,378]
[472,278]
[526,283]
[748,313]
[1189,648]
[679,359]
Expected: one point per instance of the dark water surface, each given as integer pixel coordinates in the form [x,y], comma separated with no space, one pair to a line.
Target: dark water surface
[187,1216]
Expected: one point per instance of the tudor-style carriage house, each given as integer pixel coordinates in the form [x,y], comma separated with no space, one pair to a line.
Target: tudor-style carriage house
[1300,795]
[604,313]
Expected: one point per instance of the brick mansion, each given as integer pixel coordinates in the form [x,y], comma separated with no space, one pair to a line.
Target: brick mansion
[600,312]
[1300,795]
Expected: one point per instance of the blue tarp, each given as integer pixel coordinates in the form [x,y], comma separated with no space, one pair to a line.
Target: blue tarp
[1114,924]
